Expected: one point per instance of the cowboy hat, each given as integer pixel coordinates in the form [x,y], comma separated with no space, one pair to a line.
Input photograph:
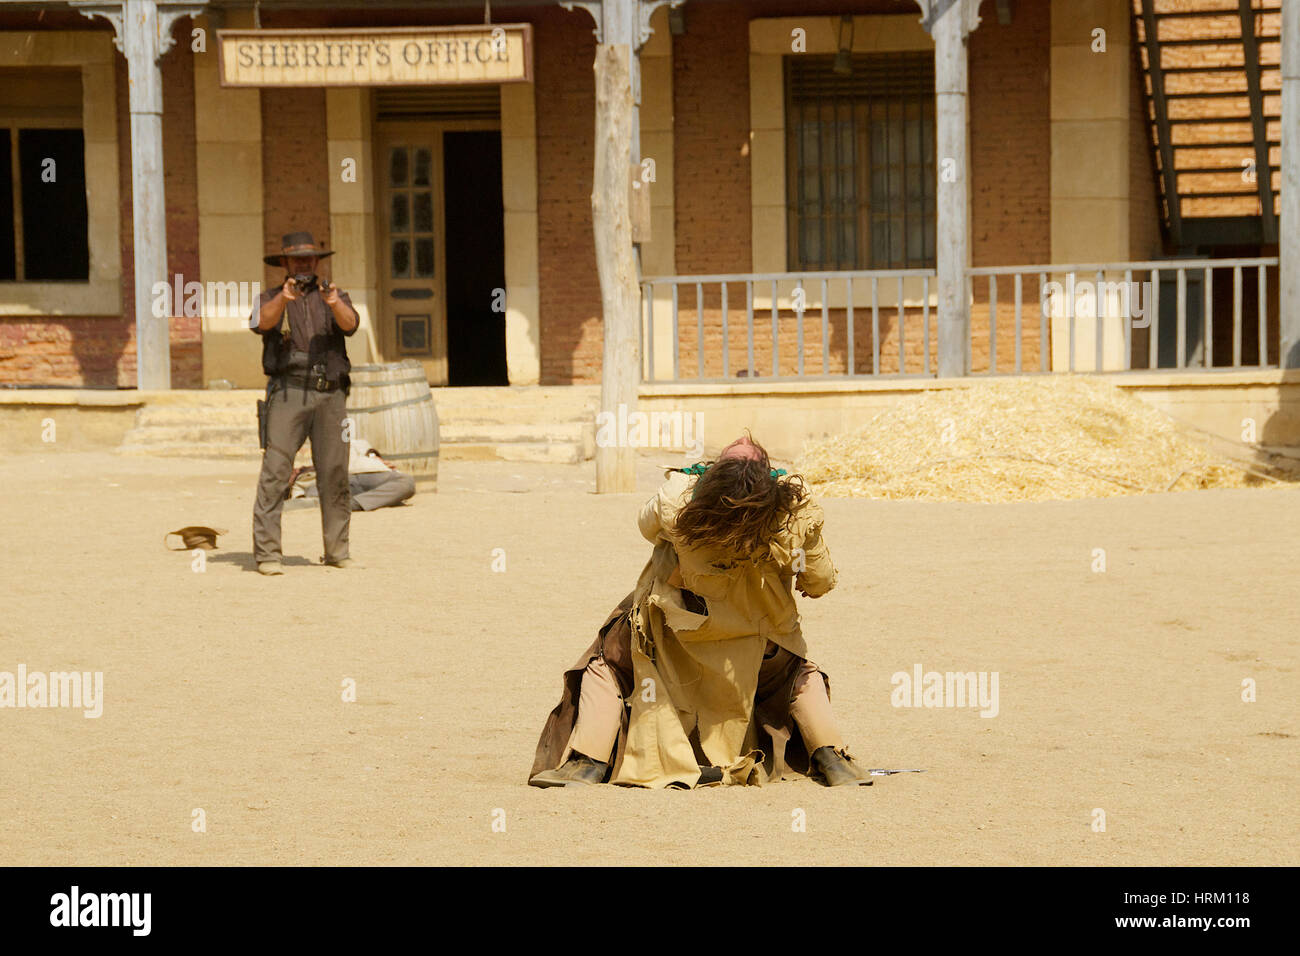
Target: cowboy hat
[194,536]
[296,244]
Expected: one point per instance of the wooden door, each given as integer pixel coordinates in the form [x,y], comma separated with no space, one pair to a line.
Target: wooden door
[411,253]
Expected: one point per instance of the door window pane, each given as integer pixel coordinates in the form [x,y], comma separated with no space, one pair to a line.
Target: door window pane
[397,166]
[423,212]
[424,258]
[400,218]
[401,259]
[423,168]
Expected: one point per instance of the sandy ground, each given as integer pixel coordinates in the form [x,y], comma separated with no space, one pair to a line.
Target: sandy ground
[223,689]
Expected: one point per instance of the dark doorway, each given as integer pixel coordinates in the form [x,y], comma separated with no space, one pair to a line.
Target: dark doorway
[475,255]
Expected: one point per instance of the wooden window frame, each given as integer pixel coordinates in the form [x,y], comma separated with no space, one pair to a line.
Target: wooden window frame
[900,107]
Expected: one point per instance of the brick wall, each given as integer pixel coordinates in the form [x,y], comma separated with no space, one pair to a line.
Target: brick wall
[180,174]
[711,141]
[830,360]
[1010,138]
[866,330]
[295,170]
[1010,180]
[99,351]
[571,339]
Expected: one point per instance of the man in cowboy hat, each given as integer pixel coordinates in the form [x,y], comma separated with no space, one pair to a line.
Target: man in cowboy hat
[303,324]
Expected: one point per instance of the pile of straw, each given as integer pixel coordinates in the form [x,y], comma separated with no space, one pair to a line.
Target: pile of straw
[1021,439]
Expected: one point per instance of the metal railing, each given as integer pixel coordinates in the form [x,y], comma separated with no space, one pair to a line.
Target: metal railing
[785,297]
[1108,317]
[1174,327]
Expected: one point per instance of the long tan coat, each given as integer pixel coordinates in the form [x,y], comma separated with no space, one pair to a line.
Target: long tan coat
[699,672]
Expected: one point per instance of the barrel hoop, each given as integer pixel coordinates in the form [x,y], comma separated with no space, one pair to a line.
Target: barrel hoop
[397,381]
[411,454]
[387,367]
[380,408]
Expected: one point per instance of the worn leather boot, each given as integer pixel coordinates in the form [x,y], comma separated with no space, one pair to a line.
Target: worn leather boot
[709,777]
[838,768]
[577,771]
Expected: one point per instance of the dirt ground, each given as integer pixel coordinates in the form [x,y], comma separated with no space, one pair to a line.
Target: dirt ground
[1118,690]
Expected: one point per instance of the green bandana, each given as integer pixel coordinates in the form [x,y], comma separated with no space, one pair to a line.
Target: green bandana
[700,468]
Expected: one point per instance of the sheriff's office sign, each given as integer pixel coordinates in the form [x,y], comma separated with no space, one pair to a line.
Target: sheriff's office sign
[409,56]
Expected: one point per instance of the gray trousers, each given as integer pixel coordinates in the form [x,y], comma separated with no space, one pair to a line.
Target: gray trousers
[296,414]
[374,489]
[380,489]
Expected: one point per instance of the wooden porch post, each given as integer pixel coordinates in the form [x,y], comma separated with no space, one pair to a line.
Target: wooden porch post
[615,261]
[143,33]
[622,28]
[949,22]
[1289,232]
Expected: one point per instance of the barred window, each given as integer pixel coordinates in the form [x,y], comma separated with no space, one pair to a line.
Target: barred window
[860,162]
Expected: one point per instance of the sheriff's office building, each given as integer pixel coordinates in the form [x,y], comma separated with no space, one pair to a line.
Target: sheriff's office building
[831,198]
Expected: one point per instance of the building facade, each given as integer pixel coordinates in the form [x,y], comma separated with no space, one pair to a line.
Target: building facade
[776,137]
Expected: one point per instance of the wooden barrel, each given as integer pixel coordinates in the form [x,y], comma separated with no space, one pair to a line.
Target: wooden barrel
[392,408]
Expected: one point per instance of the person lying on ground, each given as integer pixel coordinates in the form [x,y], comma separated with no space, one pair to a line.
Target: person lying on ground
[372,482]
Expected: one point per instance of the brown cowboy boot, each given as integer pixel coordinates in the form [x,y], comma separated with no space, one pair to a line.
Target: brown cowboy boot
[578,770]
[838,769]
